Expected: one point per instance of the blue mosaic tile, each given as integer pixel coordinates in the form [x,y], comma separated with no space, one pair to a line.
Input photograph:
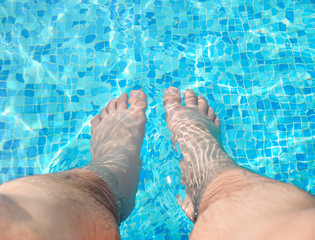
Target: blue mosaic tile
[61,62]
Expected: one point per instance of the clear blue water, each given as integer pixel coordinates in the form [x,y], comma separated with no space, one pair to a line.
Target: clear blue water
[62,61]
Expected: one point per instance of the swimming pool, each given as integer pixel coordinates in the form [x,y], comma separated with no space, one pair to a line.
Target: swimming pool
[62,61]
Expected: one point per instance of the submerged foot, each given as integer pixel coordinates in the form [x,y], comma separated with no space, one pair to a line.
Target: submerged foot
[196,129]
[117,136]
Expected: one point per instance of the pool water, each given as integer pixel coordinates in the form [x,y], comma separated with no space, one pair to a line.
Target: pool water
[62,61]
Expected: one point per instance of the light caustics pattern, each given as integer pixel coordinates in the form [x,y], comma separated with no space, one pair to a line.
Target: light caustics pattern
[62,61]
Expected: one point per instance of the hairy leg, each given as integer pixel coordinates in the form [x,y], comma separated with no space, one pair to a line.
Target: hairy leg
[85,203]
[75,204]
[225,200]
[239,204]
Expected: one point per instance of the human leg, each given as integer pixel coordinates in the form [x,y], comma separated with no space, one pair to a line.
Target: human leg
[223,198]
[82,203]
[239,204]
[74,204]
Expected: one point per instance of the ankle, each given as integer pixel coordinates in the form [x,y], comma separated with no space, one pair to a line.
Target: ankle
[228,182]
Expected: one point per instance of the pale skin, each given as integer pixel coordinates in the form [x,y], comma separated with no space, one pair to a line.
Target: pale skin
[225,200]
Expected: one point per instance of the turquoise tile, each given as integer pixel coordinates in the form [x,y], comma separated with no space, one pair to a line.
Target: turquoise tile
[61,62]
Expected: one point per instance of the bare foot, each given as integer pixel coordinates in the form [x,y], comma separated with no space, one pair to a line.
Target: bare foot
[196,129]
[117,136]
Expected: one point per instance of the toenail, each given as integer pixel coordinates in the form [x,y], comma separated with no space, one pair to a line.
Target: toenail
[175,90]
[189,91]
[136,94]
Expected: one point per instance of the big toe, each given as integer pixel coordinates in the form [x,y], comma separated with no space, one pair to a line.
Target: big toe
[95,122]
[138,100]
[171,98]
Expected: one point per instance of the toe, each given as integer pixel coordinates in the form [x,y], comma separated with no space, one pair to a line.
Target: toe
[112,105]
[217,121]
[190,98]
[122,102]
[187,206]
[171,98]
[202,104]
[95,122]
[211,114]
[103,113]
[137,100]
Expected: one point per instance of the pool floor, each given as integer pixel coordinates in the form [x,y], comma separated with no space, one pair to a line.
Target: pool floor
[62,61]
